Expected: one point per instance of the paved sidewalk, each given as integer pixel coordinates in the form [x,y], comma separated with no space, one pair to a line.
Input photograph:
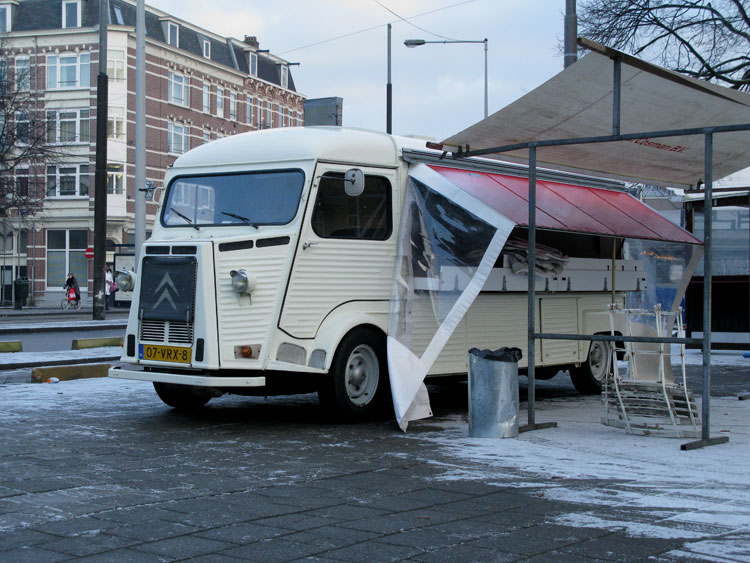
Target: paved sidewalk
[101,470]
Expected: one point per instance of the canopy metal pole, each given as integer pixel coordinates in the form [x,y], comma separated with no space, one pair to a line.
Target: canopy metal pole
[616,89]
[531,356]
[706,439]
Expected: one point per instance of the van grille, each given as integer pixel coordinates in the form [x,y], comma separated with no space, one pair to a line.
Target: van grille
[173,332]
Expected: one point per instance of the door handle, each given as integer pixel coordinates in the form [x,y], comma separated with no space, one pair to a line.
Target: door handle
[307,245]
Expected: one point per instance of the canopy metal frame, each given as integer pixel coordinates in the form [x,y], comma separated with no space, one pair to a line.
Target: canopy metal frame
[705,342]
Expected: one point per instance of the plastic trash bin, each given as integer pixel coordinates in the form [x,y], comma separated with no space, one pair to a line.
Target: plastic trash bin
[493,393]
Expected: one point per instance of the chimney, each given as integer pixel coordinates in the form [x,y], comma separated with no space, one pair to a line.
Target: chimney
[252,41]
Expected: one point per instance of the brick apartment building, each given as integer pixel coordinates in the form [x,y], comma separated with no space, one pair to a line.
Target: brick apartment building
[199,86]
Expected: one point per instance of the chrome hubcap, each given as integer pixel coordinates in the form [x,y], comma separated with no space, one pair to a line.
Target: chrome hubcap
[599,360]
[362,373]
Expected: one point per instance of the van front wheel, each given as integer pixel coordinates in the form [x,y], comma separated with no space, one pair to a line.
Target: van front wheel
[182,397]
[358,380]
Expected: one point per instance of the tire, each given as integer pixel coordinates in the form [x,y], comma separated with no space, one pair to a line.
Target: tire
[182,397]
[357,384]
[64,304]
[589,378]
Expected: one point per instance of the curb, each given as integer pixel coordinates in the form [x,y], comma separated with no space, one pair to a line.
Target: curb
[58,327]
[62,362]
[68,372]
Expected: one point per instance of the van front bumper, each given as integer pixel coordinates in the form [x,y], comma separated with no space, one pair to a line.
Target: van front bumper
[181,379]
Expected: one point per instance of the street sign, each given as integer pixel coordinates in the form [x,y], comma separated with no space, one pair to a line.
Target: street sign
[89,253]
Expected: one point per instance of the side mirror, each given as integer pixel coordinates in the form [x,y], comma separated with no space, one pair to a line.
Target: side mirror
[354,182]
[149,190]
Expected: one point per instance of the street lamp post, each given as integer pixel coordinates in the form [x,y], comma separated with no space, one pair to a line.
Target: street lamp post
[411,43]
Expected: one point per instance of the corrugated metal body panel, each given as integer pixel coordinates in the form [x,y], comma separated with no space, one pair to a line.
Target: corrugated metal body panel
[559,315]
[333,272]
[565,207]
[495,321]
[249,320]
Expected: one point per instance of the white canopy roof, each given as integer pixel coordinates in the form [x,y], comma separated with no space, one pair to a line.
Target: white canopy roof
[578,102]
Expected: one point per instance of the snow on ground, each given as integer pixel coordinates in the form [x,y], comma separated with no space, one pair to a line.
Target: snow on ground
[677,494]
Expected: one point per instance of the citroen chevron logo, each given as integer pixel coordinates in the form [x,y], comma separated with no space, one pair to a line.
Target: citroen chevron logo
[168,290]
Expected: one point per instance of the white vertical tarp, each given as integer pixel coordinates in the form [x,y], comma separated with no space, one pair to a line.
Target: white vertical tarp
[443,228]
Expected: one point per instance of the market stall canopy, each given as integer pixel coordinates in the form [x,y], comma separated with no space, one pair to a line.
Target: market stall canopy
[579,101]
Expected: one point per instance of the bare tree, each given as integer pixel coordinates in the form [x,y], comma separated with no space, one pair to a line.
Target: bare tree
[24,150]
[700,38]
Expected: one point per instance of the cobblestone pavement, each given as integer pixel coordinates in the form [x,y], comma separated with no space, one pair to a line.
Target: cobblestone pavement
[101,470]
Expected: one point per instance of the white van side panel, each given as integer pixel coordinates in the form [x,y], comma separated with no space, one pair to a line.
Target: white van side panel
[333,272]
[559,315]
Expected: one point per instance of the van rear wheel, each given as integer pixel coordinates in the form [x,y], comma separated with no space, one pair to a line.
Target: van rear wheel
[589,378]
[357,383]
[182,397]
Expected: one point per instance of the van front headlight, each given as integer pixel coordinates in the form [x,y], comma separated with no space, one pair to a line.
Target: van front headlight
[241,284]
[125,280]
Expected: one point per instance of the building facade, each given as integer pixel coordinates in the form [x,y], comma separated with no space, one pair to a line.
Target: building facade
[199,87]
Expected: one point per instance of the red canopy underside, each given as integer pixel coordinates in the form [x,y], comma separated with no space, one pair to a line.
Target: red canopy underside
[566,207]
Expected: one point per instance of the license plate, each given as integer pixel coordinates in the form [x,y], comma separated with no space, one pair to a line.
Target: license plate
[164,353]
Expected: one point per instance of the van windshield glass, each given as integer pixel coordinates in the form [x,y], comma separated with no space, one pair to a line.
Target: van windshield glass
[250,198]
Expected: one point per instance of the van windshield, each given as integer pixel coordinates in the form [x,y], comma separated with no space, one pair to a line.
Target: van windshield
[248,198]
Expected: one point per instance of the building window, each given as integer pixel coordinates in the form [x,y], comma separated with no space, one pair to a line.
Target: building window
[177,138]
[232,106]
[206,136]
[284,76]
[259,114]
[269,114]
[206,98]
[23,81]
[178,89]
[116,64]
[118,15]
[22,182]
[252,63]
[68,126]
[71,13]
[299,119]
[220,102]
[68,71]
[115,178]
[207,48]
[249,111]
[66,253]
[68,180]
[23,126]
[5,24]
[173,34]
[116,123]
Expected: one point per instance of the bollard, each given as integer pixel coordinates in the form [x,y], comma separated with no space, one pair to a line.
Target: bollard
[493,393]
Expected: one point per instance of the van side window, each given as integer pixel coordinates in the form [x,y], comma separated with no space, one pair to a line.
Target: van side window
[366,216]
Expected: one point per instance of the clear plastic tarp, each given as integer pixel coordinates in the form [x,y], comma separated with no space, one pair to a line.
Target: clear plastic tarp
[448,244]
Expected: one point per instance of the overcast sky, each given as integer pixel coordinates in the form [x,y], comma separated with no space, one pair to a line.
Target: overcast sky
[438,89]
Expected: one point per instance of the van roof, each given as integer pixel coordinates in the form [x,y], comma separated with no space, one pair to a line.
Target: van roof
[357,146]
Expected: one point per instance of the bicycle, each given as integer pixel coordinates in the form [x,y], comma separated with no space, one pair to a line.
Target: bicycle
[70,301]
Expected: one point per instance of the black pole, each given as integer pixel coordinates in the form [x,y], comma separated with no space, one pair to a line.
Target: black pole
[389,91]
[100,174]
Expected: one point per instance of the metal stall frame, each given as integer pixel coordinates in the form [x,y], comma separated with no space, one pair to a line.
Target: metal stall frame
[705,342]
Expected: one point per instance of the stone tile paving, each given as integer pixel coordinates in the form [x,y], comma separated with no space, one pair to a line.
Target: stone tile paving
[105,472]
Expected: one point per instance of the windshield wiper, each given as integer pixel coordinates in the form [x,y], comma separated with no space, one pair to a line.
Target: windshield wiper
[241,218]
[188,220]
